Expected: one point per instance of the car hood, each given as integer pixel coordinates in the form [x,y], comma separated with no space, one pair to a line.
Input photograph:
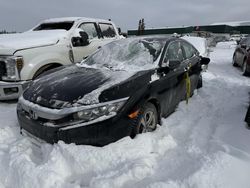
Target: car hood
[74,86]
[9,43]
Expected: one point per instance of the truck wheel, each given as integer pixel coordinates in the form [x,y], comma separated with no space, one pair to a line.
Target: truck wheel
[45,68]
[147,120]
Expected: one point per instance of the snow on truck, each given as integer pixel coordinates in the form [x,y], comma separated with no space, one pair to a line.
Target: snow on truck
[52,43]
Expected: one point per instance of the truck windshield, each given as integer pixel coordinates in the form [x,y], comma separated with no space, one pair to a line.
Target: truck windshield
[52,26]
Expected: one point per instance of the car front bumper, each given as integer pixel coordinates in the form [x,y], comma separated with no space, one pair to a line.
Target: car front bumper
[12,90]
[97,134]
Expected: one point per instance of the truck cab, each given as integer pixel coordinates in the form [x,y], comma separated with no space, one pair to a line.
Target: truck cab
[50,44]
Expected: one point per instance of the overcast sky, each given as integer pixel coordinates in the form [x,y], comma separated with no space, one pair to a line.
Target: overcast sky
[21,15]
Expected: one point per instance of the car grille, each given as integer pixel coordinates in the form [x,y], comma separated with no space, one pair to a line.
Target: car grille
[3,71]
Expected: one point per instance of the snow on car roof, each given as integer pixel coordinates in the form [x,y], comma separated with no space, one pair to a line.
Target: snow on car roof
[71,19]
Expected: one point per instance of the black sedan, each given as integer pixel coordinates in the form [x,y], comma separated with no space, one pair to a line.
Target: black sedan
[241,56]
[121,90]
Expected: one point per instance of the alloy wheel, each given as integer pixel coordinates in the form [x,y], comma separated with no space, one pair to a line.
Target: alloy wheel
[148,121]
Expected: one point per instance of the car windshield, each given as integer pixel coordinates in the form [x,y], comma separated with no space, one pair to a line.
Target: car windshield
[127,54]
[52,26]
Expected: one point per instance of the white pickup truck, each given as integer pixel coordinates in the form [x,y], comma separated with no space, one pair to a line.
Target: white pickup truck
[52,43]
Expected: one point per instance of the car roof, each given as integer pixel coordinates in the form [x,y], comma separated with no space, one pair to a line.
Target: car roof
[73,19]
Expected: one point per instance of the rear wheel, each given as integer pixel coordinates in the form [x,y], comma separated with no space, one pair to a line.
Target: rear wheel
[244,68]
[234,62]
[200,83]
[147,120]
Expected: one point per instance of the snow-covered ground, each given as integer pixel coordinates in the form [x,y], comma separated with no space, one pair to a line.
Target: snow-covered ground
[204,144]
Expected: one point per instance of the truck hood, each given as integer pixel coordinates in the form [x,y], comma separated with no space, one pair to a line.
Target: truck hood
[9,43]
[71,86]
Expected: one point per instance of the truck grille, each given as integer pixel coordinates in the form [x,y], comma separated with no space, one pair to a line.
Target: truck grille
[3,71]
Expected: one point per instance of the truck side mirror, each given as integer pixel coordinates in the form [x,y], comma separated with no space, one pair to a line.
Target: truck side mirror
[84,37]
[81,40]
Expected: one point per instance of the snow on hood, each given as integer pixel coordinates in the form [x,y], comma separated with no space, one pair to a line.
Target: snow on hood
[199,43]
[115,77]
[30,39]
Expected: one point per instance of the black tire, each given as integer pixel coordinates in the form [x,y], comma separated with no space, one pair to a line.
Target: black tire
[44,69]
[147,120]
[244,68]
[247,118]
[234,62]
[200,82]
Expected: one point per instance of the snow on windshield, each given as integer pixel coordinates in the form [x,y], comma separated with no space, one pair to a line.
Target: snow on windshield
[126,54]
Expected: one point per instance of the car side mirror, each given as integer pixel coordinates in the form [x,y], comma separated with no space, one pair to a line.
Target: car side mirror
[243,46]
[173,64]
[204,60]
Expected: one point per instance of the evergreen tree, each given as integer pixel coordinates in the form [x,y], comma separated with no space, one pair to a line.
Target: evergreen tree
[141,27]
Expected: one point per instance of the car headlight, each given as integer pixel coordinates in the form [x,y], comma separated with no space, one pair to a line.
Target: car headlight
[13,66]
[105,110]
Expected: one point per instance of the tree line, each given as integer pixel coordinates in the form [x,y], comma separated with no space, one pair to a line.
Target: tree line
[6,32]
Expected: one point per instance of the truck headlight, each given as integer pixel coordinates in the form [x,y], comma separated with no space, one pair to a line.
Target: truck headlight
[106,110]
[13,66]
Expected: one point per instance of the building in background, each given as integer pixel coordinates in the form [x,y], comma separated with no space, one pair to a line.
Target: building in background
[229,28]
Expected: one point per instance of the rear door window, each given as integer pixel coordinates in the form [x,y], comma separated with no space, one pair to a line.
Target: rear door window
[107,30]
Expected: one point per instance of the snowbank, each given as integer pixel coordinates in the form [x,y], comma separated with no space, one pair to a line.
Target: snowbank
[204,144]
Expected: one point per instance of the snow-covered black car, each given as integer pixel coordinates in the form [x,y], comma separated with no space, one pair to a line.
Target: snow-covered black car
[121,90]
[241,56]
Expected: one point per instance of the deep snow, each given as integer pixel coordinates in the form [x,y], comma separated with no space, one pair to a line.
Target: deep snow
[203,144]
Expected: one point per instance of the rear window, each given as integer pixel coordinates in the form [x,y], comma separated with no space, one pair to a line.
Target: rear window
[53,26]
[107,30]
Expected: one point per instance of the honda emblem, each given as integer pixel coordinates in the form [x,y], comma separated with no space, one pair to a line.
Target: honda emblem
[33,115]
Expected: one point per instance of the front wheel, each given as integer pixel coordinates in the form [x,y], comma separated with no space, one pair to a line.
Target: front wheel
[147,120]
